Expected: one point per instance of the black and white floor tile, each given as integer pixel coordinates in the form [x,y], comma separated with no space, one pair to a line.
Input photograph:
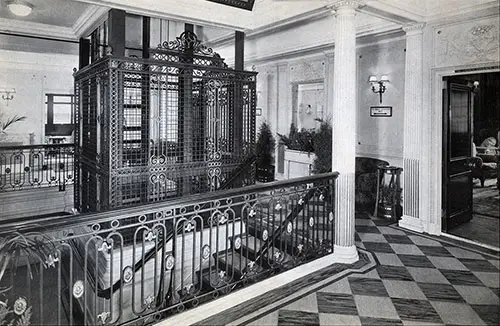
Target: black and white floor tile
[415,280]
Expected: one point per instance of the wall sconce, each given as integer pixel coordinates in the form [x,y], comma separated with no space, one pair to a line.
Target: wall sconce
[7,94]
[381,84]
[475,86]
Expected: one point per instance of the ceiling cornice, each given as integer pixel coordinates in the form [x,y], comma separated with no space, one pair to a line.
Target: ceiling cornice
[377,29]
[311,16]
[404,14]
[490,8]
[197,11]
[281,25]
[89,20]
[36,29]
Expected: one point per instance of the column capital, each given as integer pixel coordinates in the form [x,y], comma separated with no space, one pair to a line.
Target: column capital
[339,6]
[412,29]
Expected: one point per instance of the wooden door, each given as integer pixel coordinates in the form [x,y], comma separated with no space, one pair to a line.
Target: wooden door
[457,150]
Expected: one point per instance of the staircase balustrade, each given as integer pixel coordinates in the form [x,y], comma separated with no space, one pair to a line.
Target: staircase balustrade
[36,166]
[144,263]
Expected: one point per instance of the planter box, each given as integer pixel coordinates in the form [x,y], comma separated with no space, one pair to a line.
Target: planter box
[298,164]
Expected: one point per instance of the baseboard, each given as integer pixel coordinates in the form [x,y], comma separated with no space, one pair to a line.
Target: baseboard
[411,223]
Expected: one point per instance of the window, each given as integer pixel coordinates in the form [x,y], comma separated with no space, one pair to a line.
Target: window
[60,115]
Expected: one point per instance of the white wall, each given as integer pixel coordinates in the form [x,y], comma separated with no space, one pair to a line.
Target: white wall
[377,137]
[381,137]
[33,75]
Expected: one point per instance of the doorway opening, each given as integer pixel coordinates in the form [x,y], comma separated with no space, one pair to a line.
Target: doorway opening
[471,172]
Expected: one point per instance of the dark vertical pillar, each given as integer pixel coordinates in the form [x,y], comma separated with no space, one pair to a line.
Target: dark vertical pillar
[239,41]
[94,45]
[146,36]
[84,53]
[185,114]
[239,49]
[116,21]
[146,146]
[189,27]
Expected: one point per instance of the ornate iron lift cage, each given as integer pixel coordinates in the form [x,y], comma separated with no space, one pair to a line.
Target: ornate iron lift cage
[179,123]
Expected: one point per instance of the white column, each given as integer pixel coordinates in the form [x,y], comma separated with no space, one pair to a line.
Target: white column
[344,129]
[328,111]
[412,127]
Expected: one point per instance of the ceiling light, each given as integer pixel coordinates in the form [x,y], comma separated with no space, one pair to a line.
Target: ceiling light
[20,8]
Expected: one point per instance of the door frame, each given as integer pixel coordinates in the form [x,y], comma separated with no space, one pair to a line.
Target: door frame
[433,158]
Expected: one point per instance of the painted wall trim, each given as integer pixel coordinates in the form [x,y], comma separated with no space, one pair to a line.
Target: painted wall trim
[36,29]
[90,20]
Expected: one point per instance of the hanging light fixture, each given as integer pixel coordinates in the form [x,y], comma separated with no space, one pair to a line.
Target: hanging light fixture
[20,7]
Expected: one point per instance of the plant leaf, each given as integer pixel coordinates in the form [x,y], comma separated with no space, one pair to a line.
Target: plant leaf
[10,121]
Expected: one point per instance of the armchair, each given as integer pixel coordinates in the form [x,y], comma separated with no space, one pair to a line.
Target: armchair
[366,181]
[485,161]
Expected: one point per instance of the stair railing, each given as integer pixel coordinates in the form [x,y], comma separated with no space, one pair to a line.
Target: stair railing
[151,253]
[282,227]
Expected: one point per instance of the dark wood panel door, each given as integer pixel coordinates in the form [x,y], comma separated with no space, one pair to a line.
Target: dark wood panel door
[457,149]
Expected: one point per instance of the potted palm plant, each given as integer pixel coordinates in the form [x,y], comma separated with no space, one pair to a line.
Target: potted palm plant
[264,150]
[32,248]
[8,122]
[323,148]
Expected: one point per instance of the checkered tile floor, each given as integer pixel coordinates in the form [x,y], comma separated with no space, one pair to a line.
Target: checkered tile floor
[417,281]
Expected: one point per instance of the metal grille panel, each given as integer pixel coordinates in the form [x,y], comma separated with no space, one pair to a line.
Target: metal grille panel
[153,129]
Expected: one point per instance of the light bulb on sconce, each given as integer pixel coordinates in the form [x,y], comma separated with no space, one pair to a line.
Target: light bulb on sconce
[7,94]
[378,86]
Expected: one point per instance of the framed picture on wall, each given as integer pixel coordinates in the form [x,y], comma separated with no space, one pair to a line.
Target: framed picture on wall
[381,111]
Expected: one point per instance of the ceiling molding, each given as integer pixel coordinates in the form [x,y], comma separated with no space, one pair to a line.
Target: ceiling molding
[290,22]
[36,29]
[485,9]
[282,25]
[394,11]
[385,15]
[197,12]
[89,20]
[378,29]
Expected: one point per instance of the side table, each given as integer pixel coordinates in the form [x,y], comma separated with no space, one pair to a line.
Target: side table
[388,199]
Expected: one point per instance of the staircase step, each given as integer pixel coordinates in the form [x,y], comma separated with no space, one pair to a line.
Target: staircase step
[233,263]
[211,279]
[251,246]
[231,267]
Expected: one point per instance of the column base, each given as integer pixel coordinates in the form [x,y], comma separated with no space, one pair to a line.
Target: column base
[411,223]
[433,228]
[345,255]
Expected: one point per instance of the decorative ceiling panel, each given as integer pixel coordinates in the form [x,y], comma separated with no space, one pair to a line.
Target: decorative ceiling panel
[242,4]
